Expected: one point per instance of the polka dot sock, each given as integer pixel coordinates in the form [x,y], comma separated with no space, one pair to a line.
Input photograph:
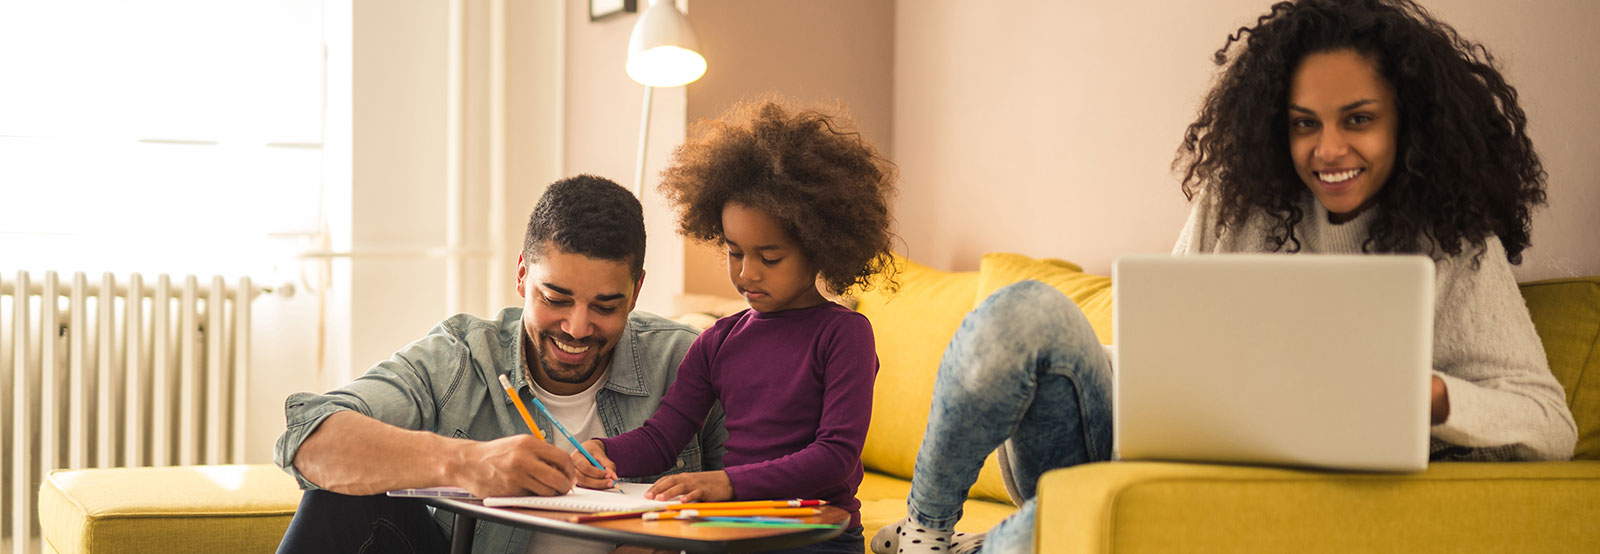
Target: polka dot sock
[908,537]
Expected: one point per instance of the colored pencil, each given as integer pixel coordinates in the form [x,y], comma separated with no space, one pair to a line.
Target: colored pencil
[754,519]
[606,516]
[772,525]
[566,433]
[526,417]
[797,503]
[691,514]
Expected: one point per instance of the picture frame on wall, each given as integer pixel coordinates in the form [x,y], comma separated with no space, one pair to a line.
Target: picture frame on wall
[601,9]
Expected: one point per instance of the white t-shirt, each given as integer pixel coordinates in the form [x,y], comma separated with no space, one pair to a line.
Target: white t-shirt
[580,415]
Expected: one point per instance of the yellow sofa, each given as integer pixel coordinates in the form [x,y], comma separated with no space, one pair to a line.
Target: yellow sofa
[1168,507]
[1105,507]
[172,510]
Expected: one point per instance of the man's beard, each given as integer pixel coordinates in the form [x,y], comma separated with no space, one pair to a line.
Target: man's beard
[564,373]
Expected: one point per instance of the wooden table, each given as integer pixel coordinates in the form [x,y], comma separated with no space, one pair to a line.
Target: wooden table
[668,535]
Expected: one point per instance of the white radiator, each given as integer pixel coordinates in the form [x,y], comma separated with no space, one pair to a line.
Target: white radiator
[107,374]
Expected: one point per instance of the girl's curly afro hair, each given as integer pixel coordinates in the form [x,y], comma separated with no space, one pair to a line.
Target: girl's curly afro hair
[809,170]
[1465,168]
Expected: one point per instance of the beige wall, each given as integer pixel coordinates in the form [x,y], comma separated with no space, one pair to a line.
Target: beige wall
[1549,50]
[1048,128]
[602,132]
[812,52]
[816,53]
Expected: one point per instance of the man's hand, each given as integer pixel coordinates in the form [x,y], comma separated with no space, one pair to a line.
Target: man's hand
[591,477]
[703,486]
[351,453]
[512,466]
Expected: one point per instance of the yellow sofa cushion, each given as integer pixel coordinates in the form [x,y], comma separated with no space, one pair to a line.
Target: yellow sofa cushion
[883,502]
[199,509]
[1566,313]
[1092,293]
[1138,507]
[912,327]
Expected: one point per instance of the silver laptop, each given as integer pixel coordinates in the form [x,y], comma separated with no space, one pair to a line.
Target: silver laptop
[1294,360]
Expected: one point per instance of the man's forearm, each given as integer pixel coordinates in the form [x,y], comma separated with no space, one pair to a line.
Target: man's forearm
[351,453]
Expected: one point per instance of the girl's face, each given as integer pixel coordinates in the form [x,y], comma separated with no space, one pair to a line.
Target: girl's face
[1343,124]
[765,263]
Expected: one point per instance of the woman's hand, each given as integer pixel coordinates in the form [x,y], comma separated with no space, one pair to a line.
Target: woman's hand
[591,477]
[703,486]
[1439,401]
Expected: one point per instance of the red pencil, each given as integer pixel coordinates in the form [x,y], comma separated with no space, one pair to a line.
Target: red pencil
[603,516]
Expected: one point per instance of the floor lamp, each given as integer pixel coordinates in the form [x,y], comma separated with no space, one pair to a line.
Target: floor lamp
[661,53]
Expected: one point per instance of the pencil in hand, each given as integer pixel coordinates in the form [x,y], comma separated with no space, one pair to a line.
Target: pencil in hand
[522,409]
[578,447]
[528,419]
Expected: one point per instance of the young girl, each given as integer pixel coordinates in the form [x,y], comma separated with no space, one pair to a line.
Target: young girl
[799,203]
[1338,126]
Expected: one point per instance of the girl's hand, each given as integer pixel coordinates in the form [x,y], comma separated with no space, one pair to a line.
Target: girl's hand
[591,477]
[703,486]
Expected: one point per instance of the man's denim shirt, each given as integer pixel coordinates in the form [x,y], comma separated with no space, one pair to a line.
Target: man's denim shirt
[447,383]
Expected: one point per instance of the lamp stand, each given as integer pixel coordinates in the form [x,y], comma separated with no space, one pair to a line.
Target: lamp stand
[644,141]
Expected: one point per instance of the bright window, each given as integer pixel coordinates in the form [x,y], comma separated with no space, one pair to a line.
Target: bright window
[159,135]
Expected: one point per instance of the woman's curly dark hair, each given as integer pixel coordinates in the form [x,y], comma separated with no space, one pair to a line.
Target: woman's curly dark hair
[1465,168]
[809,170]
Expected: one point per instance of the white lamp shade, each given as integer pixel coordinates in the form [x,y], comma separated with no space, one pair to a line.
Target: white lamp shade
[662,49]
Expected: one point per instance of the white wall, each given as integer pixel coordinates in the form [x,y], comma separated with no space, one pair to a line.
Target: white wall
[1048,128]
[429,108]
[283,361]
[380,283]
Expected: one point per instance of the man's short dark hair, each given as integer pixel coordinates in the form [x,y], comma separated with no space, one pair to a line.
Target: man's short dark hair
[588,215]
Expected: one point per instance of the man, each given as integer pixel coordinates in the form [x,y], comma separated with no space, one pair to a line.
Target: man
[435,414]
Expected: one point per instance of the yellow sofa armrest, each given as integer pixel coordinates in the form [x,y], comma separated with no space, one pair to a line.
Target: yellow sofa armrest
[1137,507]
[186,509]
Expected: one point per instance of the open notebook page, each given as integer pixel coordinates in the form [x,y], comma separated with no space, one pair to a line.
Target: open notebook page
[584,500]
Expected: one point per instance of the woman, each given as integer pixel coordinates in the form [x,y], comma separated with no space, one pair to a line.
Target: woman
[1337,127]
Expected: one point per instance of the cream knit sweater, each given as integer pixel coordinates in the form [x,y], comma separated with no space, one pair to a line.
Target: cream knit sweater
[1504,402]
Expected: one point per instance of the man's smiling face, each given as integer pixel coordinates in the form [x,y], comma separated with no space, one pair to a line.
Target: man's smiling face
[575,309]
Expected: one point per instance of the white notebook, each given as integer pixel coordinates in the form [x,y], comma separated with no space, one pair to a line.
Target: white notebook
[584,500]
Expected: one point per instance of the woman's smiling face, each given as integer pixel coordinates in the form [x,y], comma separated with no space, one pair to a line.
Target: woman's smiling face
[1343,129]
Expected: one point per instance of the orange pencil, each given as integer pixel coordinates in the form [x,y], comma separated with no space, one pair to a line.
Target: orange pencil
[526,417]
[604,516]
[796,503]
[691,514]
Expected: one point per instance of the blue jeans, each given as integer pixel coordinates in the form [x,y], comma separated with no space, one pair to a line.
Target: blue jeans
[849,541]
[1025,366]
[333,522]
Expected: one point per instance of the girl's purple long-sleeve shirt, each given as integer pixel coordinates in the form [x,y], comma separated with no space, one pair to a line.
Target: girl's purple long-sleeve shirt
[796,386]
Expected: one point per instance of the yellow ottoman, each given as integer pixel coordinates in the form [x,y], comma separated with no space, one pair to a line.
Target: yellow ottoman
[234,508]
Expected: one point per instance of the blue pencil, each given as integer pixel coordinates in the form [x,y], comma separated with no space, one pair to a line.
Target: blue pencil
[754,519]
[565,433]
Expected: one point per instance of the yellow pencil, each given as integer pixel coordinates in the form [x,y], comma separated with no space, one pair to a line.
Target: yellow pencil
[797,503]
[691,514]
[526,417]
